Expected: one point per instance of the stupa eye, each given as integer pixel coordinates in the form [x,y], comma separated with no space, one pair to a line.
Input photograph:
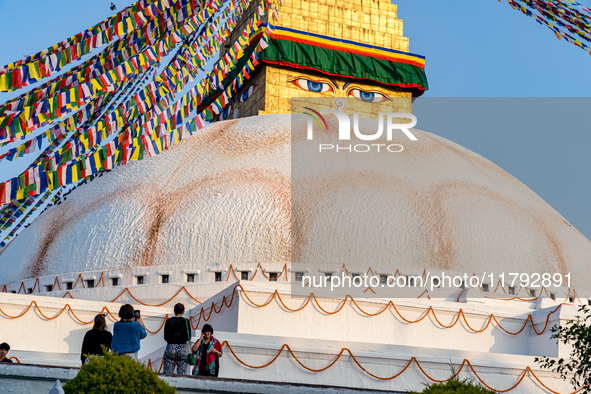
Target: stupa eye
[247,93]
[226,112]
[312,86]
[367,96]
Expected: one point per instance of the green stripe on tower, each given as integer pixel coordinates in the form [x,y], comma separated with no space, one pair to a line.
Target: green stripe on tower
[345,64]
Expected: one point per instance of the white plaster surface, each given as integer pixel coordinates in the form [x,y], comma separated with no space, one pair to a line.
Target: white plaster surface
[383,345]
[58,341]
[224,196]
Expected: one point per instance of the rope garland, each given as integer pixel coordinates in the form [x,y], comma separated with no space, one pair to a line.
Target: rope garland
[312,297]
[227,302]
[73,314]
[465,364]
[22,287]
[283,275]
[126,290]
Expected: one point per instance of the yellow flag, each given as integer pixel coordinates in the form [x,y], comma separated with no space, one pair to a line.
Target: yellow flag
[159,143]
[136,153]
[74,174]
[50,178]
[96,85]
[26,112]
[128,68]
[4,83]
[71,124]
[97,160]
[34,71]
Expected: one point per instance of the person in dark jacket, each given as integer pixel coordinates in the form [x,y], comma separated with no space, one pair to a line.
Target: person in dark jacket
[176,334]
[4,348]
[93,339]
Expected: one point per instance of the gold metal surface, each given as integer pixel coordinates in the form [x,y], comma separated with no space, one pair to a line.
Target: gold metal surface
[371,22]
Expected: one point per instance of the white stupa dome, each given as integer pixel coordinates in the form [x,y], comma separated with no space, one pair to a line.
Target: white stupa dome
[224,196]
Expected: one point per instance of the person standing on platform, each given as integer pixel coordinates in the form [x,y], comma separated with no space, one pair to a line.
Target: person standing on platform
[128,332]
[208,351]
[93,339]
[176,335]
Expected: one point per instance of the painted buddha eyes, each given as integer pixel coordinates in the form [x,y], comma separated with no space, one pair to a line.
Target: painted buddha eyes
[368,97]
[312,86]
[318,86]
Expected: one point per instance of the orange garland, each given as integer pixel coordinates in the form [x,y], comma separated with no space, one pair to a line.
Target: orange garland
[156,305]
[231,271]
[465,363]
[460,313]
[276,296]
[572,293]
[81,281]
[66,307]
[343,350]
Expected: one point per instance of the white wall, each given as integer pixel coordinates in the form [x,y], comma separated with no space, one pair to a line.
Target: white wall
[349,324]
[35,339]
[383,344]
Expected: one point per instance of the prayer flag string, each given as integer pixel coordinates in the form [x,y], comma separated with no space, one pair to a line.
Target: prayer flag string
[568,19]
[115,107]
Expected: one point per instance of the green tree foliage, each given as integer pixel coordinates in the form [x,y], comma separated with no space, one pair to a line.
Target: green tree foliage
[456,386]
[116,374]
[576,332]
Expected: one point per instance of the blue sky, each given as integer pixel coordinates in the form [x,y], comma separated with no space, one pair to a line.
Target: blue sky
[481,49]
[474,48]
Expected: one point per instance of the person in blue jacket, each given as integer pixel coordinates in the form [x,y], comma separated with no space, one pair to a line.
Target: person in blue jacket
[127,333]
